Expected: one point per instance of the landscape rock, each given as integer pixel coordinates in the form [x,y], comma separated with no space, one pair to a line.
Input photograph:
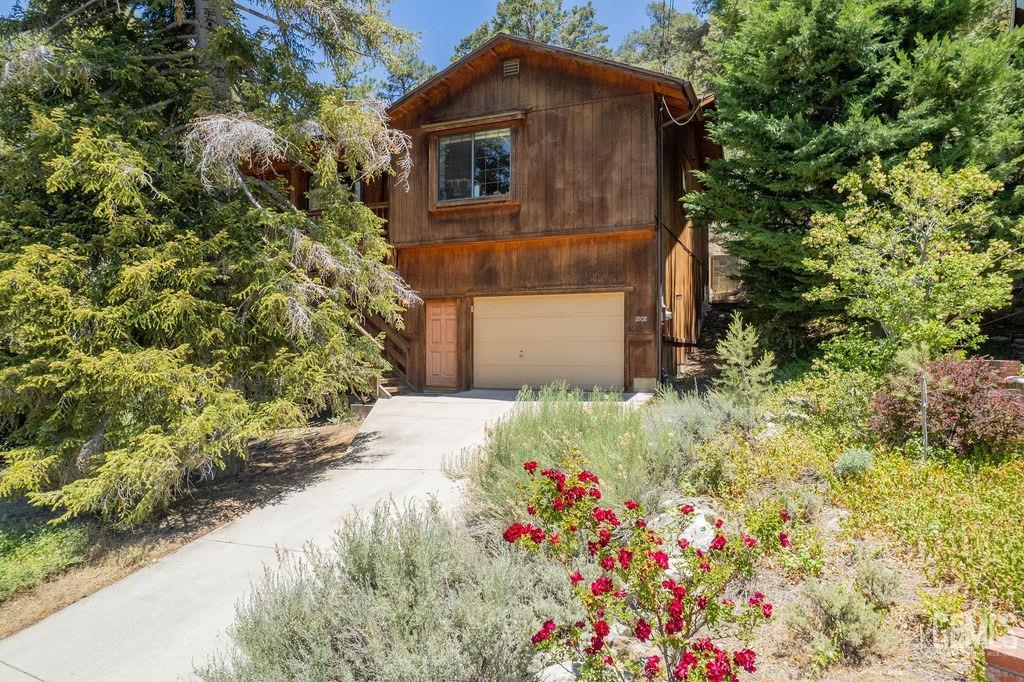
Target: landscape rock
[559,672]
[794,416]
[1014,383]
[770,430]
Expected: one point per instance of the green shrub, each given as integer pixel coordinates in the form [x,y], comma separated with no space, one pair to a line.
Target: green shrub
[807,553]
[962,519]
[634,457]
[841,400]
[879,585]
[397,597]
[31,552]
[857,350]
[837,624]
[853,463]
[942,611]
[691,418]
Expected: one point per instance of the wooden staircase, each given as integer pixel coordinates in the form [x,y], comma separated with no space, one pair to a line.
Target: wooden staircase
[396,349]
[390,386]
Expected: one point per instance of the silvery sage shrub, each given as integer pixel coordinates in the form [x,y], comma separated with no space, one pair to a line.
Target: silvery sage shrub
[397,597]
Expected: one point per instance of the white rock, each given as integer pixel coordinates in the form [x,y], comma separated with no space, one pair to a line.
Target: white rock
[559,672]
[700,532]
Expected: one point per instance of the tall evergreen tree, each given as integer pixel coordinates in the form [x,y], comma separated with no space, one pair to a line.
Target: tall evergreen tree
[672,42]
[158,307]
[546,21]
[810,90]
[408,71]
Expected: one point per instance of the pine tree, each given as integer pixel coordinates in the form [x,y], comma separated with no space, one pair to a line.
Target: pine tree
[672,42]
[810,90]
[744,379]
[546,21]
[159,308]
[408,72]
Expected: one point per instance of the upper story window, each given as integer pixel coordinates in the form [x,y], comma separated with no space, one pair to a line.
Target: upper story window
[474,165]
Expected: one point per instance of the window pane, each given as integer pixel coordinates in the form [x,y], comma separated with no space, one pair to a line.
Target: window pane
[492,162]
[454,166]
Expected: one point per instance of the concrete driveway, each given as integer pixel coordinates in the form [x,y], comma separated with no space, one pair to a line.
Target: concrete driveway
[158,622]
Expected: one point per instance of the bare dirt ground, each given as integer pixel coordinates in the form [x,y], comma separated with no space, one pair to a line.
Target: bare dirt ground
[910,648]
[283,464]
[699,369]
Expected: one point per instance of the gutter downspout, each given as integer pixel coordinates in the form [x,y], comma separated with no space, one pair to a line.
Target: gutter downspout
[659,214]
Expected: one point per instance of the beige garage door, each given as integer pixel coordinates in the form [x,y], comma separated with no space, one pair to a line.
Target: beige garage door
[534,340]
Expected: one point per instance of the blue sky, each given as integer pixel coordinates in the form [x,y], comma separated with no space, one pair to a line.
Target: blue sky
[443,22]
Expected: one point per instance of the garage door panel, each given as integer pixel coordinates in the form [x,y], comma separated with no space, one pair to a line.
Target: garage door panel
[534,340]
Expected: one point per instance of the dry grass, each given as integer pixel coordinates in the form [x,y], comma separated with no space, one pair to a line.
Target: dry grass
[291,460]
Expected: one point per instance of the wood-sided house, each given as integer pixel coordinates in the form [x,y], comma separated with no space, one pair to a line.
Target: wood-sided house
[543,226]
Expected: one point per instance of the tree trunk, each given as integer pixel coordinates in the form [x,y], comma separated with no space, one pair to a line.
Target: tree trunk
[924,411]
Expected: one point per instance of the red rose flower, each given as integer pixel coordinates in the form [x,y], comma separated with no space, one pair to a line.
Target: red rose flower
[602,629]
[785,515]
[766,610]
[686,663]
[718,542]
[537,535]
[601,586]
[683,543]
[625,556]
[558,504]
[530,466]
[607,563]
[514,532]
[718,523]
[576,578]
[748,541]
[642,630]
[744,658]
[544,632]
[756,599]
[652,667]
[631,505]
[659,558]
[686,509]
[784,539]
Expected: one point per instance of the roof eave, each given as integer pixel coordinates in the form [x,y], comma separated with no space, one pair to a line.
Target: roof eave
[680,83]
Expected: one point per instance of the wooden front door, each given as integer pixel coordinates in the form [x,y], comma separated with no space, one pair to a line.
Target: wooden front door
[441,344]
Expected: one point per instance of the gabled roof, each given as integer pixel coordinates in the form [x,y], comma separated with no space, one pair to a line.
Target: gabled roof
[680,86]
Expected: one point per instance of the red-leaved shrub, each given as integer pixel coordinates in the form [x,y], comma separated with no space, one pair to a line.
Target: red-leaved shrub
[968,410]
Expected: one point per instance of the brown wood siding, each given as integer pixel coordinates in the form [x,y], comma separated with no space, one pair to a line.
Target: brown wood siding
[583,157]
[614,262]
[685,247]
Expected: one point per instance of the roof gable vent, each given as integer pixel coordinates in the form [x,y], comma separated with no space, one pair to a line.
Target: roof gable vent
[510,67]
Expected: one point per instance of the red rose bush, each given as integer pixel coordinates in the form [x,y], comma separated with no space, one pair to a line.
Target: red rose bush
[630,581]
